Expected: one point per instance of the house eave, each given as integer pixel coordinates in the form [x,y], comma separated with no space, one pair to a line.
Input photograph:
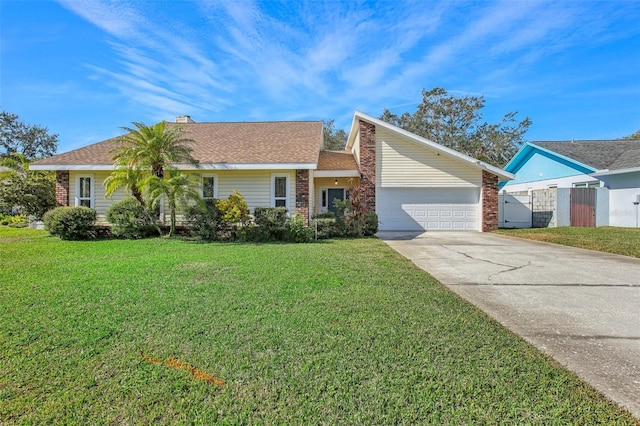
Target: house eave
[336,173]
[615,172]
[202,166]
[250,166]
[72,167]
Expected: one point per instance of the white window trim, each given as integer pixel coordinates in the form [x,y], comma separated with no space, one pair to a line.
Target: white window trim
[273,189]
[215,184]
[92,191]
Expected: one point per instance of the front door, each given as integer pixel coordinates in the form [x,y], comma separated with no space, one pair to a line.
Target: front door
[333,194]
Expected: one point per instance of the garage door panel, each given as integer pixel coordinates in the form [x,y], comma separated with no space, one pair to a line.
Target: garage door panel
[433,209]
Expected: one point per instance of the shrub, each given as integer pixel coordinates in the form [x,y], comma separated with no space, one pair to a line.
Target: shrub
[130,219]
[353,218]
[204,219]
[370,226]
[234,210]
[326,228]
[271,223]
[298,232]
[325,215]
[14,221]
[70,223]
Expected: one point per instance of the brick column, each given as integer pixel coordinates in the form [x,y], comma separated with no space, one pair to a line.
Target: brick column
[62,188]
[302,194]
[368,165]
[489,201]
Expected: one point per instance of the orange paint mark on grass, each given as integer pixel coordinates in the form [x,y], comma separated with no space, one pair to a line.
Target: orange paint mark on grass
[176,363]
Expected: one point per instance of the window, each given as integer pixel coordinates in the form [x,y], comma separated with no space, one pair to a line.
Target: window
[84,191]
[595,184]
[209,187]
[279,190]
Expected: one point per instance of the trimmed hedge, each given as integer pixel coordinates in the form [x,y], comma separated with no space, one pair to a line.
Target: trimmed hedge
[271,224]
[130,219]
[70,223]
[204,220]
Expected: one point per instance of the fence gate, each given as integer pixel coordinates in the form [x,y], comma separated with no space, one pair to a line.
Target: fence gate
[583,207]
[516,211]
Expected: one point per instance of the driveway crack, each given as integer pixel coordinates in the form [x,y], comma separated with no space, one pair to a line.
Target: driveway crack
[511,267]
[514,268]
[484,260]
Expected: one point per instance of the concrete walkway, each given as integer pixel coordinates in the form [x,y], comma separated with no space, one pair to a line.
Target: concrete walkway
[582,307]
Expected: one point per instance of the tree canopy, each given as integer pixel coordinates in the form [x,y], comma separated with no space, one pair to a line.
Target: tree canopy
[154,148]
[334,140]
[456,122]
[32,141]
[635,135]
[31,190]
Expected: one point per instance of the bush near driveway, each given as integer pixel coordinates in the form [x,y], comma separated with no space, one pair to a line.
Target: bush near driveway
[338,332]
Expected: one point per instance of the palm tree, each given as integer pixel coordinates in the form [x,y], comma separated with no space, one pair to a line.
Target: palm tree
[147,151]
[178,190]
[127,178]
[154,148]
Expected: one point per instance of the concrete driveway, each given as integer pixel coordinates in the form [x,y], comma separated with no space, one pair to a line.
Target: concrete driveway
[582,307]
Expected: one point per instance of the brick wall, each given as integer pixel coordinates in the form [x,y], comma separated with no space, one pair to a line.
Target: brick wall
[302,194]
[368,164]
[489,201]
[62,188]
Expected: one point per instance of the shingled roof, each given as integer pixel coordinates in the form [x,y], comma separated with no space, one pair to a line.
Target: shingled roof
[253,143]
[600,154]
[337,160]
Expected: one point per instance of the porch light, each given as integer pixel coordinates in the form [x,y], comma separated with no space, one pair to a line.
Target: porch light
[335,182]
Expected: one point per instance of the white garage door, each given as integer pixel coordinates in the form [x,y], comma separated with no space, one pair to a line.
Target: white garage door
[442,209]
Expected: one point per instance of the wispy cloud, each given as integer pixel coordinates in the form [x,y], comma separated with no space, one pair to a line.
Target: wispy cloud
[323,58]
[156,68]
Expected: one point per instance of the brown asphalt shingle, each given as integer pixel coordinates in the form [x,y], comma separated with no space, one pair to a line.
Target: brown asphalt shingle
[337,160]
[234,143]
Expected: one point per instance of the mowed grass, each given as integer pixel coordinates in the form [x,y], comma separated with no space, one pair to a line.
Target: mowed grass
[625,241]
[341,332]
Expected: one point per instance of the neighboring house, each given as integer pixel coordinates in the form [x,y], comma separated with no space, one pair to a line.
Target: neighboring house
[411,182]
[611,166]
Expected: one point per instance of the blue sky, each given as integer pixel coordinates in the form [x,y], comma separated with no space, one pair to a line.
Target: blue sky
[86,68]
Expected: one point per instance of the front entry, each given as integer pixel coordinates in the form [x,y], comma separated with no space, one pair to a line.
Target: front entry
[334,194]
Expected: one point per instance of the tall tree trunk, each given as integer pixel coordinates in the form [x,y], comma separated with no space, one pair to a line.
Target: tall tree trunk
[172,207]
[137,194]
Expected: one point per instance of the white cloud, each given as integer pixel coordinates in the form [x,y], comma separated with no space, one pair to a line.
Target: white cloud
[305,59]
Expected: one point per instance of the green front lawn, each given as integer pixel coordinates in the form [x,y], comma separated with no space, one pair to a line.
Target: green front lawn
[340,332]
[625,241]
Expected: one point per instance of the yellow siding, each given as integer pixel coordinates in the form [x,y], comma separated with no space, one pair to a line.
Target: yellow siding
[100,204]
[254,185]
[401,162]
